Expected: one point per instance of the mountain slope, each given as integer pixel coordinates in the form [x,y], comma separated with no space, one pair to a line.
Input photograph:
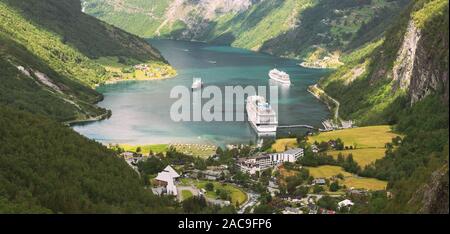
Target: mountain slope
[402,79]
[292,28]
[49,51]
[396,71]
[48,168]
[47,71]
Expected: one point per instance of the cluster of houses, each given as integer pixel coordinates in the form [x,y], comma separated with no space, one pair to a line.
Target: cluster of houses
[211,173]
[330,125]
[142,67]
[263,161]
[132,159]
[308,205]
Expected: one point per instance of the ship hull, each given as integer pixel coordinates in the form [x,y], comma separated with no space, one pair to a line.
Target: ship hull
[264,131]
[280,81]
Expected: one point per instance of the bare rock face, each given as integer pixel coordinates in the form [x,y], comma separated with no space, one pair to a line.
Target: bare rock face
[404,64]
[433,196]
[197,14]
[416,69]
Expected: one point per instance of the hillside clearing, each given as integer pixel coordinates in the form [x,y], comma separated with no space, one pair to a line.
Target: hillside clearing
[280,145]
[350,180]
[361,156]
[362,137]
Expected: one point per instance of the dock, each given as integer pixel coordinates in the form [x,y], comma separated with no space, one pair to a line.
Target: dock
[297,126]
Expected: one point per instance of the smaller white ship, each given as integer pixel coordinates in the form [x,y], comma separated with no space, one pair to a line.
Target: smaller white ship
[280,76]
[197,83]
[212,61]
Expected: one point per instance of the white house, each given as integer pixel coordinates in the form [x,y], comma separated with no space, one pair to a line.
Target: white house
[167,178]
[345,203]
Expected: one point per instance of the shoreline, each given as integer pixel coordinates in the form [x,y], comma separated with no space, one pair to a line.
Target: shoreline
[322,96]
[100,117]
[115,81]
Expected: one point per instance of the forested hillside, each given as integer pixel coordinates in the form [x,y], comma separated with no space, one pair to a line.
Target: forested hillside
[48,168]
[48,57]
[48,52]
[402,79]
[307,29]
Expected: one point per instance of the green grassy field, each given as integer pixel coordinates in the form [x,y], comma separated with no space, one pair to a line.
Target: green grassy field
[363,137]
[123,69]
[280,145]
[145,149]
[237,195]
[361,156]
[185,194]
[197,150]
[350,180]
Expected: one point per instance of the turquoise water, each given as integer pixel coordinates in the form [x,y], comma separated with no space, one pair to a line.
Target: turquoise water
[141,109]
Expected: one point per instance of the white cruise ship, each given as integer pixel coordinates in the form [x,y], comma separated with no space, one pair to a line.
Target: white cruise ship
[261,115]
[280,76]
[197,83]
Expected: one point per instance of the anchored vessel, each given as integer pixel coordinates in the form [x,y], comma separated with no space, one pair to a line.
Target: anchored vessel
[261,115]
[197,83]
[280,76]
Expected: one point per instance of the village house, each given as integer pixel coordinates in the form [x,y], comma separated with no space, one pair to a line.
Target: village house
[319,181]
[345,204]
[314,148]
[291,210]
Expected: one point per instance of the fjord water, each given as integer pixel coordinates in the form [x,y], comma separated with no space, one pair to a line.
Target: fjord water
[141,109]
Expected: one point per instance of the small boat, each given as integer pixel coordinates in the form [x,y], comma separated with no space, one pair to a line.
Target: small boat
[197,83]
[212,61]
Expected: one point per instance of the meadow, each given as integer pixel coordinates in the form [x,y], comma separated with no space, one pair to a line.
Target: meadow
[350,180]
[280,145]
[237,195]
[362,137]
[361,156]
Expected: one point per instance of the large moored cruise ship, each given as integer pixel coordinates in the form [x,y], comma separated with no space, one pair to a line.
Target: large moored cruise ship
[280,76]
[261,115]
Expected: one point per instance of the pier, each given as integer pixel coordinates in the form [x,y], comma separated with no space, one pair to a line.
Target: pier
[297,126]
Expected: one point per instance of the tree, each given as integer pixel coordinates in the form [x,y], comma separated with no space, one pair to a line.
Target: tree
[194,204]
[339,144]
[264,209]
[209,187]
[334,186]
[317,189]
[327,202]
[302,191]
[138,149]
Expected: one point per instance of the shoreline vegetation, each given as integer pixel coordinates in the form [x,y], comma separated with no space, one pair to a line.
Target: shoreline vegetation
[197,150]
[321,95]
[125,69]
[106,115]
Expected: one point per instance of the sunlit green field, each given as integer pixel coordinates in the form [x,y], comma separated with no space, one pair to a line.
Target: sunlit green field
[363,137]
[146,149]
[185,194]
[350,180]
[237,194]
[280,145]
[361,156]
